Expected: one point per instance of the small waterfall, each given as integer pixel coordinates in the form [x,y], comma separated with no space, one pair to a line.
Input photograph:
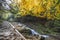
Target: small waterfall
[5,4]
[8,1]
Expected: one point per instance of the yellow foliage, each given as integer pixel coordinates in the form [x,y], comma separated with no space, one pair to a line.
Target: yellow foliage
[39,8]
[57,12]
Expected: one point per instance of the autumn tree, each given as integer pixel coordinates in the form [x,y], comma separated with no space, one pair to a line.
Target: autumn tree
[40,8]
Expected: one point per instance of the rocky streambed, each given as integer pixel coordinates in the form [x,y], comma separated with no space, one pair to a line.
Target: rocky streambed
[18,31]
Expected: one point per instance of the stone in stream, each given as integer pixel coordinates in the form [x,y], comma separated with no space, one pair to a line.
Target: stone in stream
[8,33]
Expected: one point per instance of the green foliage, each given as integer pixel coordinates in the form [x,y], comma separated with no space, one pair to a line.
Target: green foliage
[8,14]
